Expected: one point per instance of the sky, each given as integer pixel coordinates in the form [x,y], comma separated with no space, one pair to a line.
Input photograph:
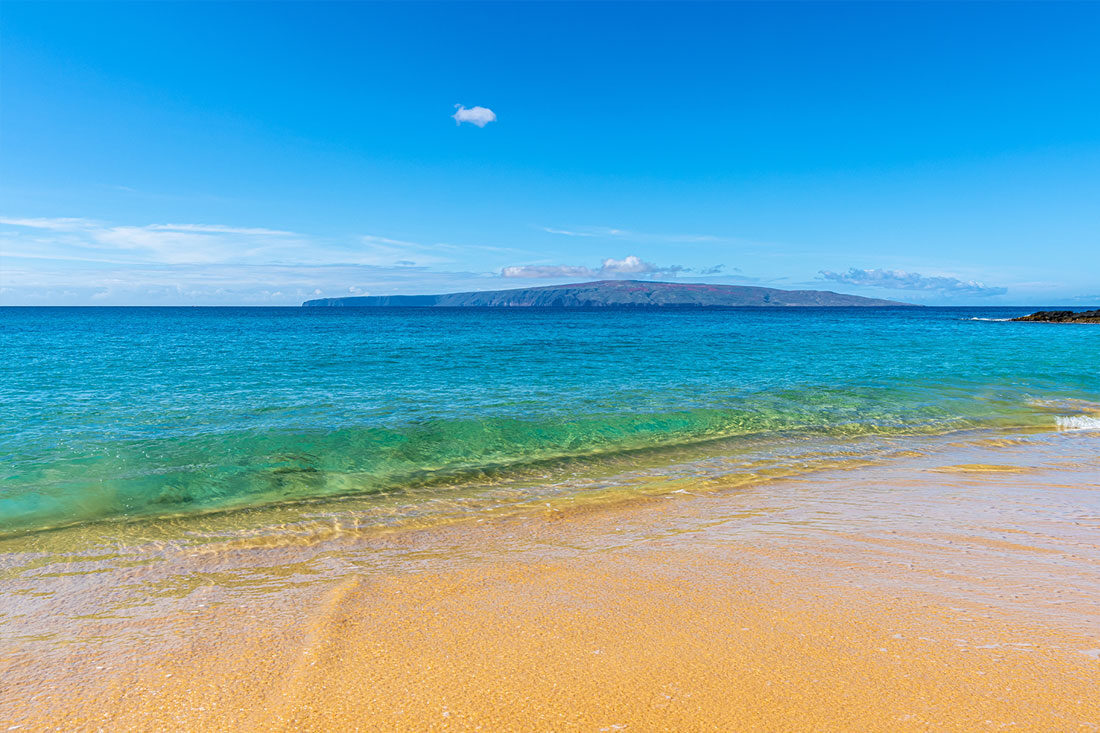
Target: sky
[262,154]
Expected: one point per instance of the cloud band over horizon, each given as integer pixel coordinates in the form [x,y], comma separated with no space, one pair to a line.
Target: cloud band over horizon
[610,268]
[901,280]
[74,261]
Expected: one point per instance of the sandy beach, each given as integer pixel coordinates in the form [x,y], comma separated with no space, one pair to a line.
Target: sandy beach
[951,590]
[609,367]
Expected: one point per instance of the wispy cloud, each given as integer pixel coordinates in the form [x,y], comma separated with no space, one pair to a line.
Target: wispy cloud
[568,232]
[629,266]
[536,272]
[217,229]
[385,252]
[73,260]
[626,234]
[86,240]
[901,280]
[480,116]
[57,284]
[52,224]
[89,240]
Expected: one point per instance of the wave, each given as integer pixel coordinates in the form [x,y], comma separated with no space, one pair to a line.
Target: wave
[1077,422]
[1086,417]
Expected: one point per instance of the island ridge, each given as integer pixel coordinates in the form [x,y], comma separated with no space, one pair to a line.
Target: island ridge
[616,294]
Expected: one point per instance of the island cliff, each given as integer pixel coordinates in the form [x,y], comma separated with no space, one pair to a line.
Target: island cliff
[615,293]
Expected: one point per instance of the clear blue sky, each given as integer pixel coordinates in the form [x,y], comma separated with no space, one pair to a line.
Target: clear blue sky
[256,153]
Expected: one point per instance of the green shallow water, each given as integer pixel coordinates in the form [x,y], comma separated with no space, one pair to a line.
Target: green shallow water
[113,414]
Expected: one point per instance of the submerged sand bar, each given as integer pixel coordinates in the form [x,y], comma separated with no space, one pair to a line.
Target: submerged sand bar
[955,588]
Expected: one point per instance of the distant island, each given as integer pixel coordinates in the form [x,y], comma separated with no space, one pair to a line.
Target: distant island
[1062,317]
[615,294]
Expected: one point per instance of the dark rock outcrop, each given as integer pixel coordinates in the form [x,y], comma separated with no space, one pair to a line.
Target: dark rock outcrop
[616,294]
[1062,317]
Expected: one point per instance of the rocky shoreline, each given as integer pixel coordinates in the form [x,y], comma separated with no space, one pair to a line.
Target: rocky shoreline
[1062,317]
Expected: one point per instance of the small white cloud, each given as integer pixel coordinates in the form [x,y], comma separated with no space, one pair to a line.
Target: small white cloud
[629,265]
[480,116]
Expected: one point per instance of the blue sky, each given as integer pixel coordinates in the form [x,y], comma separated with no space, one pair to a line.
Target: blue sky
[250,153]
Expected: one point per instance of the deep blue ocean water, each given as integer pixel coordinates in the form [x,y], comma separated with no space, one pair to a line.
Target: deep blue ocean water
[112,413]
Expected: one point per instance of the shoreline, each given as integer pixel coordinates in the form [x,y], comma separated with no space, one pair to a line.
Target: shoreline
[618,477]
[925,588]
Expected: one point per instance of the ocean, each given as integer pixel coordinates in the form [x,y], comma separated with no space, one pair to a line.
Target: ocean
[124,416]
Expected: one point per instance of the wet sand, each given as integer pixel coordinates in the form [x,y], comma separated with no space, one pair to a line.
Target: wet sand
[955,589]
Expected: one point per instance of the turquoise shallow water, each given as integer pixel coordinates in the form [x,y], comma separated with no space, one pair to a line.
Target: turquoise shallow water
[112,413]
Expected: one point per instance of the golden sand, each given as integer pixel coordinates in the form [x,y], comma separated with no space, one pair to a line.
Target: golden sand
[657,639]
[722,612]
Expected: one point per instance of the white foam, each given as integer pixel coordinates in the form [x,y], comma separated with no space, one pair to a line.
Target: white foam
[998,320]
[1078,422]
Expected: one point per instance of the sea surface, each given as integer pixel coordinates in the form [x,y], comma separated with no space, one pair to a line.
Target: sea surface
[117,416]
